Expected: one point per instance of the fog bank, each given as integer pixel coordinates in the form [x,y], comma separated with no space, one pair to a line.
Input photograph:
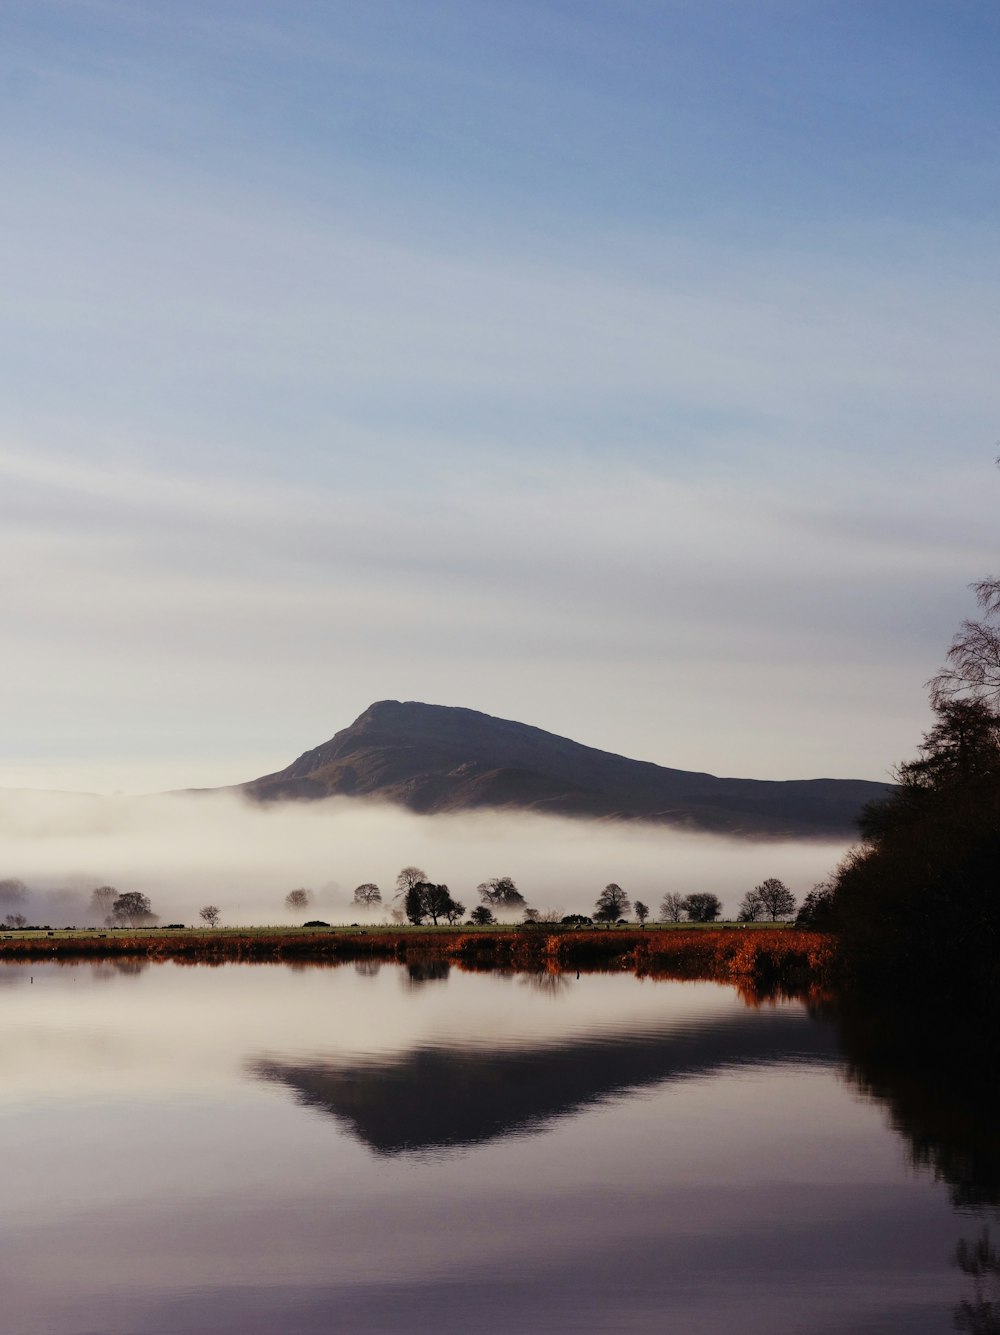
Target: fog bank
[184,851]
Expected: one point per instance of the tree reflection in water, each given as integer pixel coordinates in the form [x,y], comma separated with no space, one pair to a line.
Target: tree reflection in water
[547,982]
[981,1261]
[935,1073]
[104,970]
[419,972]
[367,968]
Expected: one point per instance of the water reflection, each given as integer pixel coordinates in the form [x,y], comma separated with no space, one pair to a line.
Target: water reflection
[451,1095]
[548,982]
[458,1154]
[979,1260]
[418,972]
[935,1072]
[106,970]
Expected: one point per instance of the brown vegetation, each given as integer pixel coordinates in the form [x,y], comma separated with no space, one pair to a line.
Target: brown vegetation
[725,954]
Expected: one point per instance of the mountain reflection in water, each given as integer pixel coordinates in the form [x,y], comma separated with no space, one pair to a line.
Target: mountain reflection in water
[452,1095]
[935,1074]
[420,1150]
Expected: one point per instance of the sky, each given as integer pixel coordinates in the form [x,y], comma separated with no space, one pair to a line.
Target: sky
[623,368]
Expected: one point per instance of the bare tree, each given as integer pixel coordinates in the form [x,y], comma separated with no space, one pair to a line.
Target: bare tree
[15,920]
[102,900]
[750,908]
[367,895]
[210,914]
[407,879]
[775,898]
[972,665]
[501,893]
[672,907]
[297,900]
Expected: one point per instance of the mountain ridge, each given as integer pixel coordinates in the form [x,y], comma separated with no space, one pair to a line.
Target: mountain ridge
[447,758]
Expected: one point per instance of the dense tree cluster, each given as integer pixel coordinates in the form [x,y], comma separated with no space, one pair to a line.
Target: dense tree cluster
[425,900]
[703,907]
[918,900]
[612,904]
[501,893]
[132,909]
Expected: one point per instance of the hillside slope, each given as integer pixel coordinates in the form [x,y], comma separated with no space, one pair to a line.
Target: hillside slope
[435,758]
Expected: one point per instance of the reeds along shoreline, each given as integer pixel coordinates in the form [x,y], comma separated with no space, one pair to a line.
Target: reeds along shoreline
[725,954]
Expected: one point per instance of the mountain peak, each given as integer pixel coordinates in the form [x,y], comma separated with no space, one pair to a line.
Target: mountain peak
[435,758]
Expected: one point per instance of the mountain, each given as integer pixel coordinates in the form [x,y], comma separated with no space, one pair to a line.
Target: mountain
[434,758]
[463,1095]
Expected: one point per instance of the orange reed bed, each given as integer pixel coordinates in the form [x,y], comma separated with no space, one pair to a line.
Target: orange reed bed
[727,954]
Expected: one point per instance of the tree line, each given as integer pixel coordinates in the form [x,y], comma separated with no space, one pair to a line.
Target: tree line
[916,905]
[419,900]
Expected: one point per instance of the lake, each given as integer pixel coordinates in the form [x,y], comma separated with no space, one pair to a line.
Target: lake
[383,1148]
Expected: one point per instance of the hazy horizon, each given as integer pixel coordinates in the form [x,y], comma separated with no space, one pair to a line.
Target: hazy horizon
[184,851]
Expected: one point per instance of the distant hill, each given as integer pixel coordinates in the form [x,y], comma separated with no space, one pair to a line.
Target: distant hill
[434,758]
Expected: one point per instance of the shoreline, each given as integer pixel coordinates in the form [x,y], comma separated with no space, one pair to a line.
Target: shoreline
[762,954]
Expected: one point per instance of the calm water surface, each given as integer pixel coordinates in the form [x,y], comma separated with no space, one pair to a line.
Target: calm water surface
[382,1149]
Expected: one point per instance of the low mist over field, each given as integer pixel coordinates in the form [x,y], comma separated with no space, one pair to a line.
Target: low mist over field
[184,851]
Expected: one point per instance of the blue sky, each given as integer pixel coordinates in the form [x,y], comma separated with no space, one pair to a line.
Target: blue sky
[628,369]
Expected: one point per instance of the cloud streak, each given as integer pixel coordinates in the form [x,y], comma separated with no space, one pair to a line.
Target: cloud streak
[304,410]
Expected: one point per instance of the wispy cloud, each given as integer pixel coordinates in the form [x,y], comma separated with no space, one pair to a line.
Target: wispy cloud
[307,404]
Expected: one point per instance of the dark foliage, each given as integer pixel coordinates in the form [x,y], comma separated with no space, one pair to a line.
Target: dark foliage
[501,892]
[816,912]
[702,907]
[919,901]
[132,909]
[775,899]
[612,903]
[426,900]
[934,1067]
